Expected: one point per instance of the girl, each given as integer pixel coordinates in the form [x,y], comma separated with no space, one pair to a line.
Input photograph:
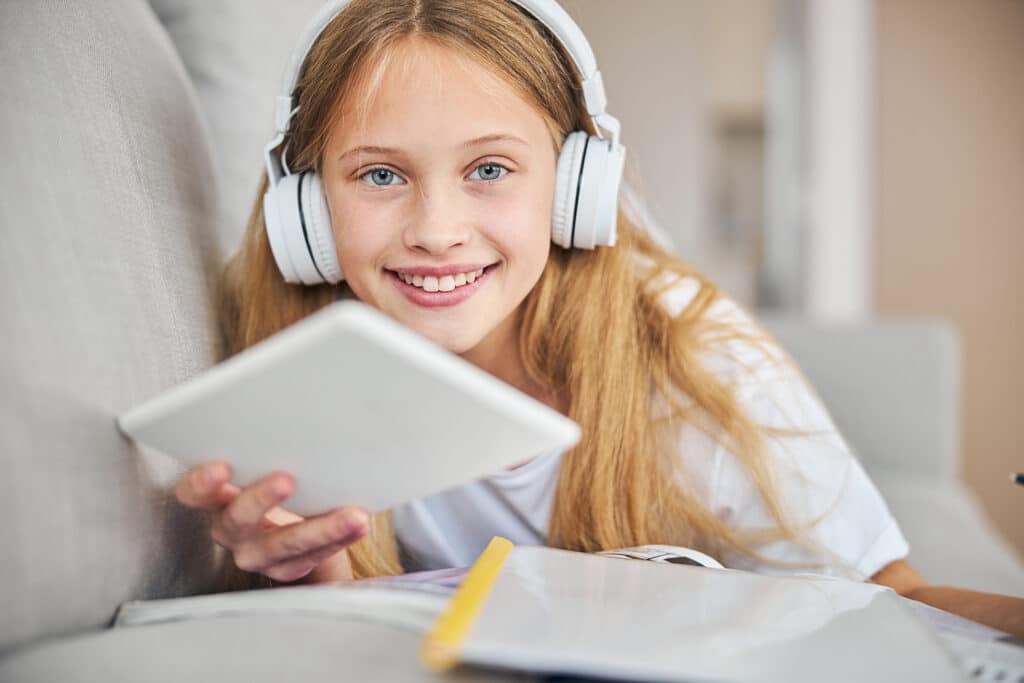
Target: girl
[441,143]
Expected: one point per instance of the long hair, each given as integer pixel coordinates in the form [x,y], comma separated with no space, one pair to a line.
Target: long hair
[593,330]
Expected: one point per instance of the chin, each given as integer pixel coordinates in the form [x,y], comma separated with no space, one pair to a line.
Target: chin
[456,341]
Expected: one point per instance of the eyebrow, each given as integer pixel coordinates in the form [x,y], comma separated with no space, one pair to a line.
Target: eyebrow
[496,137]
[475,142]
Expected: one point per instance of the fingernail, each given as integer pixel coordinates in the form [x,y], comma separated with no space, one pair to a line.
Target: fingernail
[216,473]
[281,486]
[356,520]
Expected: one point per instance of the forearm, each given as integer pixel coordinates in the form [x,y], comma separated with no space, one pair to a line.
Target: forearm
[998,611]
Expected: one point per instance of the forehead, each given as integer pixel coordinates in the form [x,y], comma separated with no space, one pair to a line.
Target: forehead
[421,85]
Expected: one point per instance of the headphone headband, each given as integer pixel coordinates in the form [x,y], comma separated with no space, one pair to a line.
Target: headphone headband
[547,12]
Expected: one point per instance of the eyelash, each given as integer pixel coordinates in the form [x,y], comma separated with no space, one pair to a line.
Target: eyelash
[475,169]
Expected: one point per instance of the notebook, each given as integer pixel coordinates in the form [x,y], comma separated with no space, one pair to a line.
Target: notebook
[549,611]
[553,612]
[358,408]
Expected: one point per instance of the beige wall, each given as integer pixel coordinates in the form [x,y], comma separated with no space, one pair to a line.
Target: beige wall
[950,211]
[674,71]
[652,55]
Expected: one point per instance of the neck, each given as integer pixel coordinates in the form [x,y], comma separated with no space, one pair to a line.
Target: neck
[498,353]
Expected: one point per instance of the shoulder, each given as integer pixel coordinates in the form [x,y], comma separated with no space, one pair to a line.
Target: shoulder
[732,344]
[821,484]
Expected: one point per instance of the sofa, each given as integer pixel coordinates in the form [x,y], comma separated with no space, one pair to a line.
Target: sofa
[133,134]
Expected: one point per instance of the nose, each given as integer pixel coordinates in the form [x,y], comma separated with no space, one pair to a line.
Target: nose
[438,224]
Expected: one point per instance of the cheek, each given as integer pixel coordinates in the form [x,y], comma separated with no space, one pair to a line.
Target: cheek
[360,237]
[357,227]
[520,221]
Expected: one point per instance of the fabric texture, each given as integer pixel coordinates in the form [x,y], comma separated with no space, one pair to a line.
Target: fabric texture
[105,297]
[951,540]
[821,484]
[911,427]
[269,648]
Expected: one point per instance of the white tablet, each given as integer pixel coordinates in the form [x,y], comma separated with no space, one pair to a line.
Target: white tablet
[359,409]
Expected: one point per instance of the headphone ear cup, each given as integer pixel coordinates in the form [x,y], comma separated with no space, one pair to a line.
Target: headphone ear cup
[597,208]
[298,226]
[567,180]
[319,232]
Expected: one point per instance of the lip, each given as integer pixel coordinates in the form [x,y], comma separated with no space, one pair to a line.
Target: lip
[424,299]
[440,271]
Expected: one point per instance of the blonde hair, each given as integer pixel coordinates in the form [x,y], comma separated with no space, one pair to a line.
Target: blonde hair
[593,330]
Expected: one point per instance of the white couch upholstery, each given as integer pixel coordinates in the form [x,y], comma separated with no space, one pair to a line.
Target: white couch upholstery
[893,388]
[108,256]
[133,138]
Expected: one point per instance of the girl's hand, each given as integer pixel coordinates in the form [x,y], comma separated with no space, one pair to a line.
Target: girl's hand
[265,538]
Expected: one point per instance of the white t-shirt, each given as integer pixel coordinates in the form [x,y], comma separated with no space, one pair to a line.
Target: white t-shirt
[816,475]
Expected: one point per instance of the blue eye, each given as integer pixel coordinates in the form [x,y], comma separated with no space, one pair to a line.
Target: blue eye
[381,177]
[488,172]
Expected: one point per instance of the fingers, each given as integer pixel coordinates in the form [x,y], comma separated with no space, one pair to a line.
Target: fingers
[262,536]
[280,517]
[294,550]
[246,512]
[293,570]
[206,487]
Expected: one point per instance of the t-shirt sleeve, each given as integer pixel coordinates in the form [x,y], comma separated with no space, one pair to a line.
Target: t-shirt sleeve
[823,488]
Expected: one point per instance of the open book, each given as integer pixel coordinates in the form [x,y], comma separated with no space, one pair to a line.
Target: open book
[543,610]
[551,611]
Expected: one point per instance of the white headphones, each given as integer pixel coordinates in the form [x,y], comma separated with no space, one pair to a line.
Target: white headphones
[587,181]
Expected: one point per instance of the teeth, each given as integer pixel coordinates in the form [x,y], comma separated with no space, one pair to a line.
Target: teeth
[445,283]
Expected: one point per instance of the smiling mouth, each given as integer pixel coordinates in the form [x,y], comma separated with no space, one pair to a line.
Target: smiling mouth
[444,283]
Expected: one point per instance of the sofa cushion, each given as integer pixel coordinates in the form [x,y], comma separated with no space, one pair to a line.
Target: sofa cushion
[952,543]
[236,52]
[311,648]
[105,295]
[892,386]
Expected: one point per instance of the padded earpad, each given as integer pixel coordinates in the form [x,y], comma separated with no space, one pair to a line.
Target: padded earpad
[567,176]
[319,233]
[299,229]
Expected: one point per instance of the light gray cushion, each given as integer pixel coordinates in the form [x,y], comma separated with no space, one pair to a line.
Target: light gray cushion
[951,542]
[247,649]
[236,52]
[105,297]
[892,387]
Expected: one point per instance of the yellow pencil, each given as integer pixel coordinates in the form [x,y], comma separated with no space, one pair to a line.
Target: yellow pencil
[440,649]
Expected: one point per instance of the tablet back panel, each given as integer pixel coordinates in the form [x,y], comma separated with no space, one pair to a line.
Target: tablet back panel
[358,408]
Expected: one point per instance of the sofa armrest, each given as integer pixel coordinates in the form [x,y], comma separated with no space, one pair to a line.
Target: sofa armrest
[891,386]
[951,541]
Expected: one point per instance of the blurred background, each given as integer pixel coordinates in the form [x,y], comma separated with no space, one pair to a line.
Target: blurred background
[844,160]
